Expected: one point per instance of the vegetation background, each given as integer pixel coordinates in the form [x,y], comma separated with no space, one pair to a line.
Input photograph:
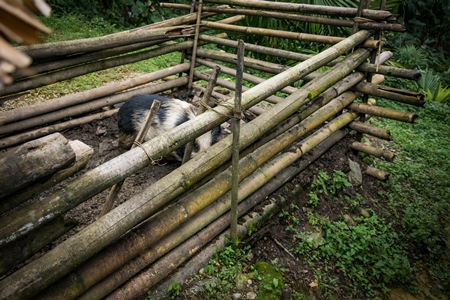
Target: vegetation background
[418,190]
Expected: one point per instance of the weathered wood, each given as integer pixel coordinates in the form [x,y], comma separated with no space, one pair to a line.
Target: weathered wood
[18,251]
[82,155]
[42,272]
[363,24]
[286,34]
[33,161]
[19,138]
[307,8]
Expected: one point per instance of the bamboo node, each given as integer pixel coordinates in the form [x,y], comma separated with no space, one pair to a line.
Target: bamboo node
[152,161]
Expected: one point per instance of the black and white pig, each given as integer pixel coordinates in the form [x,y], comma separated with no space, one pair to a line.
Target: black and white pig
[171,113]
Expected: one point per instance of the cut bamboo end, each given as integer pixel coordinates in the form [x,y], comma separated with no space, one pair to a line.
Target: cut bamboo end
[387,155]
[376,173]
[371,130]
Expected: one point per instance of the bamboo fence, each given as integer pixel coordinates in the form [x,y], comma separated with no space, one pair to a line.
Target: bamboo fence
[189,207]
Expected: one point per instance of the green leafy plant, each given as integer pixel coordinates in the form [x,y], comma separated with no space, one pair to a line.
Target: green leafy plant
[174,290]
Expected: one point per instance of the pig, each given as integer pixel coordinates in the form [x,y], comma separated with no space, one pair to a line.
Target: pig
[171,113]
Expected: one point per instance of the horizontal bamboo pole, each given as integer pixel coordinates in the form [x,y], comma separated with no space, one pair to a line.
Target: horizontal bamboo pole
[384,112]
[30,280]
[284,176]
[307,8]
[362,24]
[404,96]
[371,130]
[286,34]
[26,112]
[365,67]
[92,67]
[376,173]
[387,155]
[30,135]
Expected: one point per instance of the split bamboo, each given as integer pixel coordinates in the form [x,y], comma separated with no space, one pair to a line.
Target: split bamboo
[387,155]
[384,112]
[307,8]
[368,25]
[30,280]
[286,34]
[404,96]
[26,136]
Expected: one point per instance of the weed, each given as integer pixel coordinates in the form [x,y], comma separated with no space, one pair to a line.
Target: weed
[174,290]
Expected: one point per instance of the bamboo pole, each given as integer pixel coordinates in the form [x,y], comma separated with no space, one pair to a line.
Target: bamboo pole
[114,192]
[284,176]
[201,108]
[29,111]
[399,95]
[169,218]
[307,8]
[363,24]
[285,34]
[365,67]
[376,173]
[91,67]
[31,280]
[387,155]
[236,122]
[384,112]
[29,135]
[371,130]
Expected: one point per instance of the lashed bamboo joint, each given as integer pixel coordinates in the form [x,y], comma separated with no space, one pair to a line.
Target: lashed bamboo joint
[198,192]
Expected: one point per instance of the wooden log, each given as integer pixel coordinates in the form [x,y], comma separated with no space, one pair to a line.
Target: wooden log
[33,161]
[371,130]
[387,155]
[286,34]
[42,272]
[399,95]
[82,155]
[71,103]
[365,67]
[362,23]
[384,112]
[26,136]
[18,251]
[307,8]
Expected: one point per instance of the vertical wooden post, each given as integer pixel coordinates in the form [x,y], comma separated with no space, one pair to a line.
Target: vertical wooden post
[236,132]
[194,47]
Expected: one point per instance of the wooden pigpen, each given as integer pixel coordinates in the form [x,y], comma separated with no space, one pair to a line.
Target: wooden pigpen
[133,247]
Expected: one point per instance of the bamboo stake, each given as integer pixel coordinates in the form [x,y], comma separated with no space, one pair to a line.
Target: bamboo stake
[30,280]
[285,34]
[194,47]
[30,135]
[295,17]
[307,8]
[371,130]
[29,111]
[387,155]
[384,112]
[115,190]
[236,122]
[201,108]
